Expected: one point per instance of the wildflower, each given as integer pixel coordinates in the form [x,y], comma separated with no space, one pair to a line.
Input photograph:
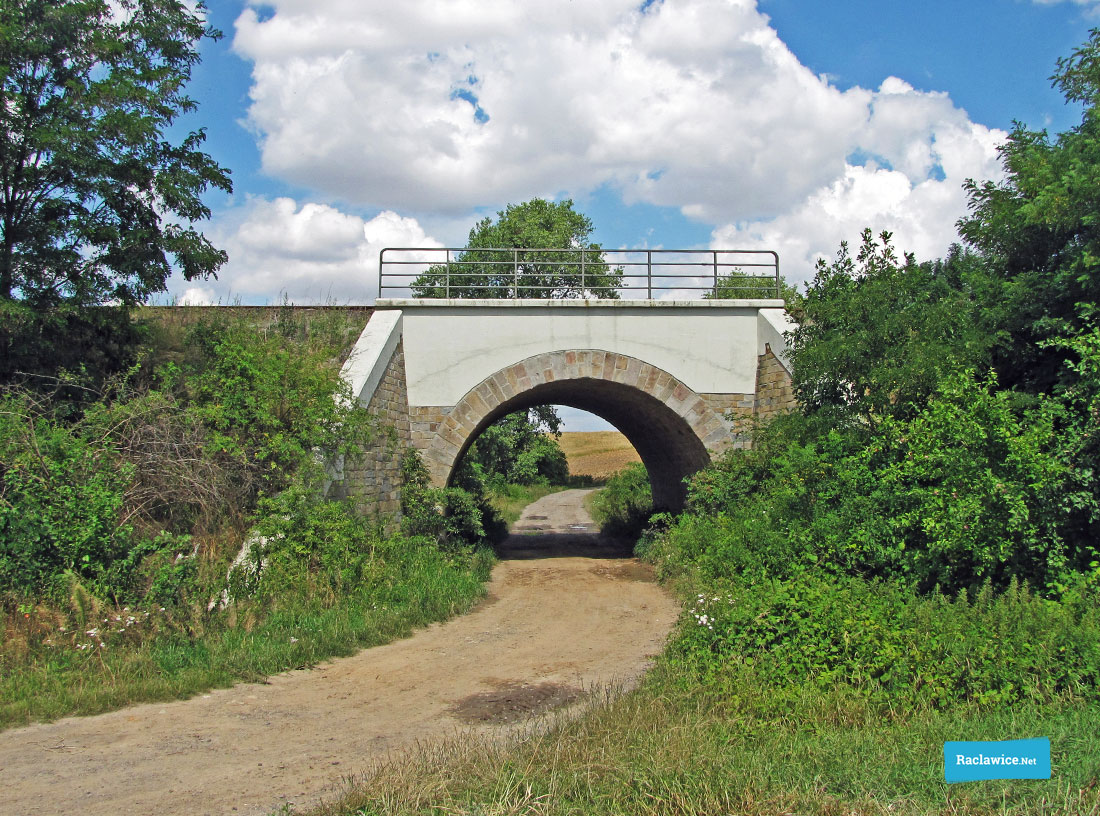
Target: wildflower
[294,640]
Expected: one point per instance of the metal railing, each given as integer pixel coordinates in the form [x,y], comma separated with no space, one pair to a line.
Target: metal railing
[514,273]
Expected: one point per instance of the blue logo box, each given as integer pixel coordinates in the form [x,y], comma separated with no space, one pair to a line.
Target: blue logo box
[1007,759]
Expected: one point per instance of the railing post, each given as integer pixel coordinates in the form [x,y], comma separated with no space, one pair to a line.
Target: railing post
[582,272]
[447,277]
[515,269]
[649,273]
[714,255]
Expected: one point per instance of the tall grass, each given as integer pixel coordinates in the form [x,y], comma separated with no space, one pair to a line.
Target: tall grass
[249,641]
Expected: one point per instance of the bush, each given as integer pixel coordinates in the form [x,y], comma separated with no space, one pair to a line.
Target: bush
[92,489]
[968,489]
[904,650]
[519,448]
[62,506]
[623,507]
[451,516]
[268,400]
[312,546]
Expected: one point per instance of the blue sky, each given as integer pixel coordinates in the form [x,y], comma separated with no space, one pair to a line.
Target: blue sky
[778,124]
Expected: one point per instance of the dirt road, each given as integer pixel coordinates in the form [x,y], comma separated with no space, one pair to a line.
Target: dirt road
[564,612]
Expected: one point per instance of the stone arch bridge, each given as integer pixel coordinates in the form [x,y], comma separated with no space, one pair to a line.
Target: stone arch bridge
[673,376]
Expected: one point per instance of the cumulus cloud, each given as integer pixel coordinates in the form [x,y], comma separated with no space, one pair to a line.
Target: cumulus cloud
[921,150]
[314,253]
[197,296]
[437,110]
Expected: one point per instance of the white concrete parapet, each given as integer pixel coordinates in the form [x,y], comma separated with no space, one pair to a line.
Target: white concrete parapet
[453,345]
[366,365]
[771,328]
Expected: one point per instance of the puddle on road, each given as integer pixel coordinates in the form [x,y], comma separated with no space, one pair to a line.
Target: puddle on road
[512,701]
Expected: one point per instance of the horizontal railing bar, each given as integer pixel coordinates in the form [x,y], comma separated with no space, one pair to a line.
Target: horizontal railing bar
[586,250]
[463,262]
[515,271]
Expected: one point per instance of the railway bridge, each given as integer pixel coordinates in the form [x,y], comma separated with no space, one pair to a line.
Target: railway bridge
[674,373]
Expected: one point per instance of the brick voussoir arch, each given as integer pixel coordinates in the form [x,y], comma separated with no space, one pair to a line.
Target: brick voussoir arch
[484,402]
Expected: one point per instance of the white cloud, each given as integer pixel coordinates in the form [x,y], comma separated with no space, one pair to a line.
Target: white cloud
[197,296]
[922,150]
[438,109]
[313,253]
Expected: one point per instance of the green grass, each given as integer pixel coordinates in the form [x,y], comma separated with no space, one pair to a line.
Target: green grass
[591,501]
[420,586]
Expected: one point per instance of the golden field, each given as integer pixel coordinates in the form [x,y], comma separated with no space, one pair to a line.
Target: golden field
[597,453]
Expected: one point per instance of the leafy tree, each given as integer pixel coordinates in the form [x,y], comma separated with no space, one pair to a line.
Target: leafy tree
[539,230]
[878,332]
[520,448]
[97,201]
[1039,233]
[738,285]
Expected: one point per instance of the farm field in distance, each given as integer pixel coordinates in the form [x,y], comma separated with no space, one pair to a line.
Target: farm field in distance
[597,453]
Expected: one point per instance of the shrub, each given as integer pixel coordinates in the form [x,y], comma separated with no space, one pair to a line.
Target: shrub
[905,650]
[624,505]
[62,503]
[268,400]
[150,458]
[451,516]
[968,489]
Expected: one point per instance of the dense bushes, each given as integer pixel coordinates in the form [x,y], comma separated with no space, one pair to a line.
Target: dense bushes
[923,530]
[625,504]
[452,516]
[905,651]
[966,490]
[164,453]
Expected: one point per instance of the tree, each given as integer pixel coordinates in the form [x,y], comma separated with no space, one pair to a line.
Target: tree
[737,285]
[97,202]
[539,229]
[1039,233]
[878,333]
[519,448]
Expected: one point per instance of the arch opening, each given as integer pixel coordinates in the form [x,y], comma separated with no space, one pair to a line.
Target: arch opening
[668,447]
